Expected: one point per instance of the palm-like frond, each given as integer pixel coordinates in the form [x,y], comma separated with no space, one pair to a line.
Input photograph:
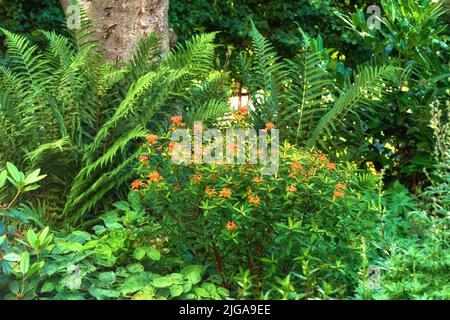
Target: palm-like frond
[358,101]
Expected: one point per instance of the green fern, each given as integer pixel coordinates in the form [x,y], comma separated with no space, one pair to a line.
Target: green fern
[63,110]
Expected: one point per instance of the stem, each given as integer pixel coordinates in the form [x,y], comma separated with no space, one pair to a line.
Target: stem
[19,191]
[219,267]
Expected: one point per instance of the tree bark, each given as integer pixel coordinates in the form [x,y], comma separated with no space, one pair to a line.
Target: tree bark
[120,24]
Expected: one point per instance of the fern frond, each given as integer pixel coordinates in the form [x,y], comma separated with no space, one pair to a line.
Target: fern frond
[145,56]
[361,97]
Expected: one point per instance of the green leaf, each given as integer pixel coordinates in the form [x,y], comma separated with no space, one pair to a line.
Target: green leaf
[162,282]
[135,268]
[32,238]
[153,254]
[176,290]
[107,278]
[193,273]
[43,234]
[14,287]
[3,176]
[14,173]
[223,292]
[48,286]
[2,239]
[139,253]
[136,282]
[209,287]
[24,262]
[101,294]
[122,205]
[11,257]
[113,225]
[34,177]
[35,268]
[201,292]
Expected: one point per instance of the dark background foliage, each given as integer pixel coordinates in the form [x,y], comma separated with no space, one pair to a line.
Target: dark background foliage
[26,17]
[277,20]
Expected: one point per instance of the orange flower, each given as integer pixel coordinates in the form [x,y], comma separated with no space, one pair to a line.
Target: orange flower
[137,184]
[154,177]
[321,157]
[197,178]
[151,138]
[239,117]
[269,126]
[291,188]
[338,194]
[225,193]
[341,187]
[172,145]
[243,110]
[231,225]
[254,200]
[258,180]
[296,166]
[210,192]
[144,159]
[249,192]
[178,121]
[331,166]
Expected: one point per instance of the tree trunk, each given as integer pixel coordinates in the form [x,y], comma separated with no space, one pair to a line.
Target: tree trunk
[120,24]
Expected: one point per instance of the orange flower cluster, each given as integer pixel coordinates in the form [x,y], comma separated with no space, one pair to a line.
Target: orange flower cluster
[225,193]
[152,138]
[231,225]
[295,169]
[241,113]
[295,166]
[177,121]
[210,192]
[291,189]
[243,110]
[239,117]
[154,177]
[137,184]
[172,145]
[321,157]
[339,190]
[324,161]
[254,200]
[197,178]
[269,126]
[258,180]
[144,159]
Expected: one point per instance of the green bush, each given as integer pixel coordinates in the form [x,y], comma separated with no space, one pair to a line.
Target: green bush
[306,222]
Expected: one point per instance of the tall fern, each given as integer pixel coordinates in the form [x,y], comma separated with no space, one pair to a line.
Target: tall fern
[302,96]
[80,118]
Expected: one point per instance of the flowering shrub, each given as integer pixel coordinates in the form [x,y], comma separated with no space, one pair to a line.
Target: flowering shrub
[306,222]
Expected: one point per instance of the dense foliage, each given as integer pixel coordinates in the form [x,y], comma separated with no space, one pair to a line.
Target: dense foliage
[93,204]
